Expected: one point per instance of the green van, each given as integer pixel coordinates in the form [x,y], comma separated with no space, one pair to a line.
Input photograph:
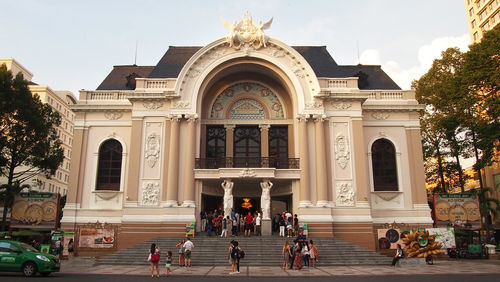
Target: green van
[17,256]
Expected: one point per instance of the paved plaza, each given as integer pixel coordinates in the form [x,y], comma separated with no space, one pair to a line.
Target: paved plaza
[88,266]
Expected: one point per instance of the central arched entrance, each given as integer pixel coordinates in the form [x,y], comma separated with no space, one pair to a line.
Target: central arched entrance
[246,135]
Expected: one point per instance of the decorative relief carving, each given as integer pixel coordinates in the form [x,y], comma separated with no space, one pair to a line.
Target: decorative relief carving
[319,118]
[194,72]
[246,172]
[150,193]
[314,105]
[182,104]
[387,196]
[152,150]
[342,151]
[341,106]
[246,33]
[382,134]
[345,195]
[152,105]
[380,116]
[215,54]
[113,115]
[297,70]
[303,117]
[277,53]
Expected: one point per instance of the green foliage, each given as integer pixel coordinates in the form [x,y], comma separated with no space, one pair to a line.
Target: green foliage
[487,205]
[29,143]
[461,91]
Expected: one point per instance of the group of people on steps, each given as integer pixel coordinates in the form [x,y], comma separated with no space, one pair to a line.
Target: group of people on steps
[299,254]
[245,223]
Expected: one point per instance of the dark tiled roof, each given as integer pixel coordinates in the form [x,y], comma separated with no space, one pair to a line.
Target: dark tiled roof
[117,78]
[172,62]
[317,56]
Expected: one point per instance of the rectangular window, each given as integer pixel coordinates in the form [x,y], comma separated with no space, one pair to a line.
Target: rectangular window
[471,12]
[473,23]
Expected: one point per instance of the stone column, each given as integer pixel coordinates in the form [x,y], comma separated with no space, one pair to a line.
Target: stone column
[173,162]
[265,204]
[227,185]
[264,140]
[229,140]
[166,151]
[305,197]
[189,161]
[321,184]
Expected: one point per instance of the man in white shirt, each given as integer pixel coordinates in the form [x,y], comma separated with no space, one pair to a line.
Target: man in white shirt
[258,220]
[188,247]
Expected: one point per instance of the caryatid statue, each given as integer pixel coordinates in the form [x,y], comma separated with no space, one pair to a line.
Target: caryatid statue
[265,199]
[227,185]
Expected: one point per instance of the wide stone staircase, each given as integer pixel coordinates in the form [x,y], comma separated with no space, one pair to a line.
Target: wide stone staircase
[259,251]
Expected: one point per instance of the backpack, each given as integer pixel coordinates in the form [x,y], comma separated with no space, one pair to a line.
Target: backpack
[234,253]
[241,254]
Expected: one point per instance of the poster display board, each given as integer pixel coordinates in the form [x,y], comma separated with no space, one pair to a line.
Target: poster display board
[96,238]
[445,236]
[457,209]
[391,237]
[35,211]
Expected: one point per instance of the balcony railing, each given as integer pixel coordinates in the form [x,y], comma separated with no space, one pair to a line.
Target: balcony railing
[253,162]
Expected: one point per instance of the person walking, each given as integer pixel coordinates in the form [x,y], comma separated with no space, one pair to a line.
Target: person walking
[188,247]
[399,255]
[154,258]
[71,248]
[248,224]
[203,217]
[180,246]
[168,263]
[225,222]
[286,254]
[313,253]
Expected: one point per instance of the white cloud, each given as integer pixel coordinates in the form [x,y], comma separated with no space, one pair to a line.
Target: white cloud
[426,55]
[370,57]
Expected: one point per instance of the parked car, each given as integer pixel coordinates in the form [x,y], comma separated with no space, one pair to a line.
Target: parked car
[17,256]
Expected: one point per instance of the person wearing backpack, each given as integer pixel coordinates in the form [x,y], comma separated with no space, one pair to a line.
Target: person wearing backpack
[233,257]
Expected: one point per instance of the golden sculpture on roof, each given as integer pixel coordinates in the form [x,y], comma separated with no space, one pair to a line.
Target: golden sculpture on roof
[247,33]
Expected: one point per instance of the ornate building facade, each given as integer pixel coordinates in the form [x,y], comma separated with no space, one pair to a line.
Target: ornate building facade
[247,121]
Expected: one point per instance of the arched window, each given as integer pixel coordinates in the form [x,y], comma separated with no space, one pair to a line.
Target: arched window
[109,168]
[385,177]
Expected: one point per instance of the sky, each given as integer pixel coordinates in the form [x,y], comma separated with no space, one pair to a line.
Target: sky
[72,45]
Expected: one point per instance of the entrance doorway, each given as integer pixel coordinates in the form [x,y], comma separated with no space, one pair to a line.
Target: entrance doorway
[243,205]
[210,203]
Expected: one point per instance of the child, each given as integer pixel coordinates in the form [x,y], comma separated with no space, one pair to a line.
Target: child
[168,263]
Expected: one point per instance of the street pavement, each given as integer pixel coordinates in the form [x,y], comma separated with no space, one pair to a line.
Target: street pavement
[87,266]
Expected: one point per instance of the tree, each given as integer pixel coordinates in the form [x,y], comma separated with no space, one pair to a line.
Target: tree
[480,77]
[29,142]
[440,89]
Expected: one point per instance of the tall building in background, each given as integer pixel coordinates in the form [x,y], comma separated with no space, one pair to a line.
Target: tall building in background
[60,102]
[482,15]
